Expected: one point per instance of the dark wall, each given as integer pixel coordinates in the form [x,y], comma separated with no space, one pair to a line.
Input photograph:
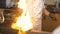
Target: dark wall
[2,3]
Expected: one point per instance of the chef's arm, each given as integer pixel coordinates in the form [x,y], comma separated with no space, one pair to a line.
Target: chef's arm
[46,12]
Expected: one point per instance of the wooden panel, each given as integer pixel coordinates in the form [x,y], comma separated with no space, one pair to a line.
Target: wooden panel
[49,24]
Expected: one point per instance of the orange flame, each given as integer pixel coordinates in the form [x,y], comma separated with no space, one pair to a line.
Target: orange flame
[24,21]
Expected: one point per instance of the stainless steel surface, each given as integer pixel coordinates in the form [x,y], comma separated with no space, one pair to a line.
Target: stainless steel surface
[42,32]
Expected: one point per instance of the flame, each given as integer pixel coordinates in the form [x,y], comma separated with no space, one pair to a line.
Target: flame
[24,21]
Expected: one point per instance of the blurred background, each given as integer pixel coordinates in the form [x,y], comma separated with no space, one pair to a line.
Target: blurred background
[49,24]
[9,12]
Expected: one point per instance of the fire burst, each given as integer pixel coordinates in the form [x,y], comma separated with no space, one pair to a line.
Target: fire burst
[24,21]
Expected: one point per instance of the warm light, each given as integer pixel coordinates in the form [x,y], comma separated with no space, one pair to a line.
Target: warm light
[24,21]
